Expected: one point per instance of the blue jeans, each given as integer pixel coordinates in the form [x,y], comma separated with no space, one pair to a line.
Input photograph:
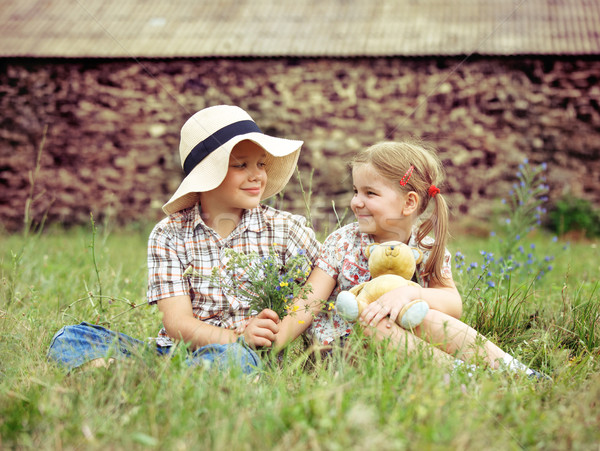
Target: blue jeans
[72,346]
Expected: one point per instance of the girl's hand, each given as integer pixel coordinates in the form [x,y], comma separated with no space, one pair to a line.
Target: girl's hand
[262,329]
[390,304]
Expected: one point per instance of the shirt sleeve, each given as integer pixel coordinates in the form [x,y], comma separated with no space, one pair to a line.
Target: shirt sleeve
[165,269]
[302,238]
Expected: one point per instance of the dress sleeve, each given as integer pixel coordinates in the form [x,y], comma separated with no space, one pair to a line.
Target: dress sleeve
[329,259]
[447,265]
[446,269]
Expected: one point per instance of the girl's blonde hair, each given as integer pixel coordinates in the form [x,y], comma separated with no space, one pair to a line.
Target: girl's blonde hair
[393,160]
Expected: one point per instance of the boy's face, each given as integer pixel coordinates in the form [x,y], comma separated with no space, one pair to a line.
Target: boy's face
[245,182]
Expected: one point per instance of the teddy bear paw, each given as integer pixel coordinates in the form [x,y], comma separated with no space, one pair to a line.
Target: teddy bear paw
[346,306]
[413,313]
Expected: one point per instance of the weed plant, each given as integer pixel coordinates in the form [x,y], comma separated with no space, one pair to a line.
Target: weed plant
[363,398]
[574,215]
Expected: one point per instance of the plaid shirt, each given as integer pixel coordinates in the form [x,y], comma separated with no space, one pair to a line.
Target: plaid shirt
[182,241]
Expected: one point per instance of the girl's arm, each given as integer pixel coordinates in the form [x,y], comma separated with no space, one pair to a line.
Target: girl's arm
[294,324]
[181,324]
[444,298]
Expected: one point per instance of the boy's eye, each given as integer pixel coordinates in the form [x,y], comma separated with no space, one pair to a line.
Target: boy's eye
[262,165]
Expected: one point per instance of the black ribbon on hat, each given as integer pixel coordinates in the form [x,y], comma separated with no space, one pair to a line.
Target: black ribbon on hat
[216,140]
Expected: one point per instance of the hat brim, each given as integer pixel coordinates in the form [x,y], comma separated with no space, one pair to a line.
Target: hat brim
[282,158]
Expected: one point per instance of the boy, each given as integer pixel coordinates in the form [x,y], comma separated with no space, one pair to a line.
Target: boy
[230,166]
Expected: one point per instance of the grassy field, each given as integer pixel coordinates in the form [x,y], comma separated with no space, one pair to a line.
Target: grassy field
[382,401]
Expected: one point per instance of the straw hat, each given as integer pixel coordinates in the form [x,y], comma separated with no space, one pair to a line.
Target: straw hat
[207,139]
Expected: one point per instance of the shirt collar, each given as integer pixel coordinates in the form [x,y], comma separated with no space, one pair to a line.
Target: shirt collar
[197,217]
[252,220]
[365,241]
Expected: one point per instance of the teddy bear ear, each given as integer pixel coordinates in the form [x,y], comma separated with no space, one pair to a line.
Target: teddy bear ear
[418,254]
[370,248]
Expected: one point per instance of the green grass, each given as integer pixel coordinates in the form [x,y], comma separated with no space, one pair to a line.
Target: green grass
[382,401]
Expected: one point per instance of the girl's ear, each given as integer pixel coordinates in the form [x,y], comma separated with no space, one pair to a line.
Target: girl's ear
[411,203]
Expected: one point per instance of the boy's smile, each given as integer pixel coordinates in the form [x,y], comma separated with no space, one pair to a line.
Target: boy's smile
[256,191]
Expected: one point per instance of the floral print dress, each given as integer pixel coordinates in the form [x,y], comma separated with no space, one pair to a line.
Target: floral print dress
[342,257]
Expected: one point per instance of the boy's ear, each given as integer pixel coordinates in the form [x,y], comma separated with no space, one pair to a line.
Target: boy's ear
[411,203]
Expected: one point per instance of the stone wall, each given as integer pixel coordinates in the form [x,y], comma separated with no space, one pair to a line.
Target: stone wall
[106,132]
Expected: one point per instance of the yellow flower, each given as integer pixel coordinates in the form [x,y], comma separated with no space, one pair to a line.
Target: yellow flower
[296,308]
[283,284]
[301,322]
[331,305]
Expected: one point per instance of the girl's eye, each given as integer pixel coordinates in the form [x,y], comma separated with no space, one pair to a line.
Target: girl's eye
[262,165]
[239,165]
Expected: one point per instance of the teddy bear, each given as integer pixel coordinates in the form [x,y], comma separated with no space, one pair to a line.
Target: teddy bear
[392,265]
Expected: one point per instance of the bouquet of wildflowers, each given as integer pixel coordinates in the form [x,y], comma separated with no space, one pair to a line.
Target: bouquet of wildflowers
[263,282]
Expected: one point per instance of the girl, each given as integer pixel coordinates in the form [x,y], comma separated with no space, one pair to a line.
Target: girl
[394,183]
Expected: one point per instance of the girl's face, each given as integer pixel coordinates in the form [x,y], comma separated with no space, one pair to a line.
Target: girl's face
[244,183]
[380,207]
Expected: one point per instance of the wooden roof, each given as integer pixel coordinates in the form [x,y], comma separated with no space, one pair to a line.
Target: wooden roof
[259,28]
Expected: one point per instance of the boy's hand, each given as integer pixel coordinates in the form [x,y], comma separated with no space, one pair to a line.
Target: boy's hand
[262,329]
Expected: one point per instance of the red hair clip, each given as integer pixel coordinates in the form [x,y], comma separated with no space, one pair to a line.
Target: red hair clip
[404,180]
[433,190]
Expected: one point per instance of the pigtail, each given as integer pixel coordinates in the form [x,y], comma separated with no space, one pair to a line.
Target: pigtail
[438,223]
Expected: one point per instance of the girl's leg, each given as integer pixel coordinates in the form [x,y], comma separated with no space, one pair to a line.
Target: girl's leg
[403,340]
[73,346]
[451,338]
[459,339]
